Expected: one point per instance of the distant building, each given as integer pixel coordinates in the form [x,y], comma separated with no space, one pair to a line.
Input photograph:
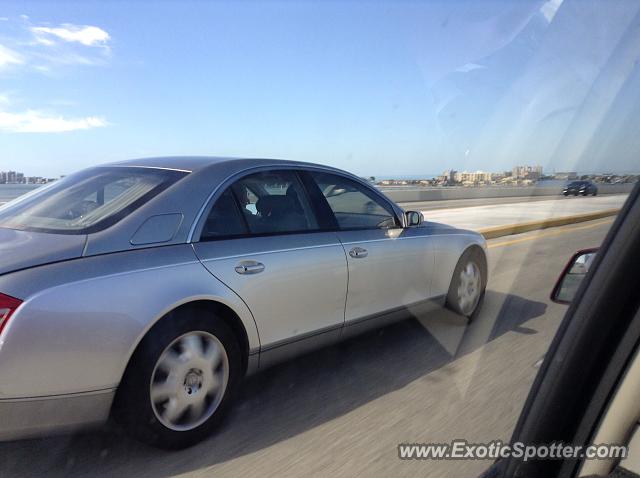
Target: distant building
[477,177]
[37,180]
[527,172]
[14,177]
[448,177]
[11,177]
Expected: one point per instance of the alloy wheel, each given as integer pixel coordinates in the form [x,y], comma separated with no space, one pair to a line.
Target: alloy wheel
[469,287]
[189,380]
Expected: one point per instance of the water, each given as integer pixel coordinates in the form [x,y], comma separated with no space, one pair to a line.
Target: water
[405,177]
[12,191]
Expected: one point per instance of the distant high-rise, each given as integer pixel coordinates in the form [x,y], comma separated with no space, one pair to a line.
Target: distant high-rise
[12,177]
[527,172]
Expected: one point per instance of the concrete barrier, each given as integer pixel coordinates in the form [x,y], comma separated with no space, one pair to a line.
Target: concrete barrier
[509,229]
[402,195]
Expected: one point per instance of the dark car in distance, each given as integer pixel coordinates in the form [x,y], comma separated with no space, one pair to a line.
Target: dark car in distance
[583,188]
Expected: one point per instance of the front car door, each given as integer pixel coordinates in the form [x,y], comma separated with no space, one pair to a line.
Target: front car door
[390,266]
[263,239]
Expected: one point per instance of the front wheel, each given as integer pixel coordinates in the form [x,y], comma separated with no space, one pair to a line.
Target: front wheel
[468,284]
[180,381]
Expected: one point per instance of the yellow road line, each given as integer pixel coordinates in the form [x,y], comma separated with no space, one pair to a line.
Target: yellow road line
[521,227]
[550,233]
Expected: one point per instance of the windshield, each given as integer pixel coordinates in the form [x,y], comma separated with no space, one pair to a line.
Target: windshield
[87,201]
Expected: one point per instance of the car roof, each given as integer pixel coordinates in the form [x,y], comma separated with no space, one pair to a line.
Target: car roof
[199,163]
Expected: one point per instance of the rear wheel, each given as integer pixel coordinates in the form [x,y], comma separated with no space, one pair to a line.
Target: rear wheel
[468,283]
[180,381]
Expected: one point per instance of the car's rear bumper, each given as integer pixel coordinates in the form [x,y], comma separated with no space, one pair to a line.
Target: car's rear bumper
[31,417]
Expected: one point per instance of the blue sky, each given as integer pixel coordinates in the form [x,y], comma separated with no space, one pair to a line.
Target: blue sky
[378,88]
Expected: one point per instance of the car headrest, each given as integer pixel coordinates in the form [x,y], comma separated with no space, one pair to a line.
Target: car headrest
[275,205]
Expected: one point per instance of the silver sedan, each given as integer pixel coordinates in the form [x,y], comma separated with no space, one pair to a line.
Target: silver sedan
[146,290]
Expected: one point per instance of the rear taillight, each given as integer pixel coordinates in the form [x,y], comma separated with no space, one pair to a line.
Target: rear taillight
[8,305]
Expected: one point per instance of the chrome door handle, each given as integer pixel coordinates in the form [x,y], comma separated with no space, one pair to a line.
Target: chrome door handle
[358,253]
[249,267]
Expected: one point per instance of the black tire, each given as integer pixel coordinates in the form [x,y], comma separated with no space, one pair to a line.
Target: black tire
[474,255]
[133,407]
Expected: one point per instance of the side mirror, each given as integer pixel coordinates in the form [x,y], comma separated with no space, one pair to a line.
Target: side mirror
[413,218]
[572,275]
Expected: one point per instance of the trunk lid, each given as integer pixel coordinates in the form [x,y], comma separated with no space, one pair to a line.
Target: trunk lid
[24,249]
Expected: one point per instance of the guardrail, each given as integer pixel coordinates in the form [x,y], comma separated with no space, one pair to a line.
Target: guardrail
[402,195]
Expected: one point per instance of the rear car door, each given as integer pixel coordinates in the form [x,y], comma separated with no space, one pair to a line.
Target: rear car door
[390,266]
[262,239]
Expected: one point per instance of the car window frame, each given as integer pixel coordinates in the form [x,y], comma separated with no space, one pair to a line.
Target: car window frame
[321,220]
[368,191]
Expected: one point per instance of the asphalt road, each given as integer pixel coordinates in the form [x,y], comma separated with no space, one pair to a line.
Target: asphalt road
[343,410]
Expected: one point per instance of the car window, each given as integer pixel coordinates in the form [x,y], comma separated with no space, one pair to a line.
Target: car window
[274,202]
[224,219]
[352,205]
[87,201]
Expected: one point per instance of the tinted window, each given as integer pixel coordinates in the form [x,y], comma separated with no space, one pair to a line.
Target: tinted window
[87,201]
[353,206]
[274,202]
[224,219]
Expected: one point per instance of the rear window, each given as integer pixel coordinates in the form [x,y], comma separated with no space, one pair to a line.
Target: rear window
[88,201]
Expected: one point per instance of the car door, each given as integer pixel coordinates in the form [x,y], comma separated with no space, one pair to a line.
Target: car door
[262,238]
[390,266]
